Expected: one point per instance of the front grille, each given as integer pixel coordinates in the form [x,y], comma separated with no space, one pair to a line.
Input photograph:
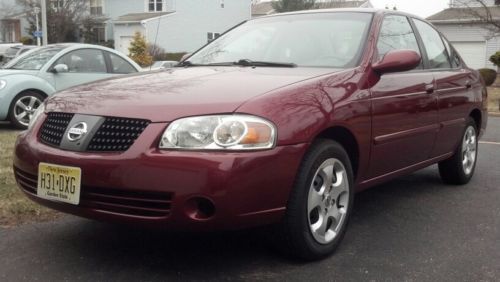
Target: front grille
[114,134]
[116,201]
[117,134]
[53,128]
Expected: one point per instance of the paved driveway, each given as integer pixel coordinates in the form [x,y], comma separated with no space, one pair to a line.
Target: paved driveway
[413,228]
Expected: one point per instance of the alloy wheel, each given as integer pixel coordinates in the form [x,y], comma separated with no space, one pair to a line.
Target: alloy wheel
[469,148]
[24,108]
[328,201]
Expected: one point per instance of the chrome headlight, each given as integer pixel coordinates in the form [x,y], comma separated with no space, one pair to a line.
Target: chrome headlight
[36,115]
[3,83]
[220,132]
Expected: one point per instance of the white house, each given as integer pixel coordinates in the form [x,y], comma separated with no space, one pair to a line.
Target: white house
[474,40]
[175,25]
[12,21]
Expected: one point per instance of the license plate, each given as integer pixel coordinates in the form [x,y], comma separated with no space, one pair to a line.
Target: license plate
[59,183]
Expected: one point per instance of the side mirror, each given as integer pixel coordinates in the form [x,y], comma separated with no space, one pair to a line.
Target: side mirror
[397,61]
[60,68]
[185,57]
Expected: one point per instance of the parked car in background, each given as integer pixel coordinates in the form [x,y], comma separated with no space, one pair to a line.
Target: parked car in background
[162,65]
[27,80]
[16,51]
[262,127]
[4,47]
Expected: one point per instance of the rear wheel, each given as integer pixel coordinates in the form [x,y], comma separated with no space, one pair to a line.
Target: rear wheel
[459,168]
[320,203]
[23,107]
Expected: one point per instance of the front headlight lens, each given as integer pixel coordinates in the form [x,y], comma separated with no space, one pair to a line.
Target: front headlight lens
[3,83]
[221,132]
[36,115]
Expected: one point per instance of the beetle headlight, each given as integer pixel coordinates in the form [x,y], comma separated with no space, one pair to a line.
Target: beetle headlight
[3,83]
[221,132]
[36,115]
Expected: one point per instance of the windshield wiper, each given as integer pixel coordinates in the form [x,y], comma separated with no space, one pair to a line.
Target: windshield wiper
[242,62]
[250,63]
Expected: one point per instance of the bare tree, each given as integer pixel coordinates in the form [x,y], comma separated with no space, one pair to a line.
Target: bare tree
[481,12]
[63,18]
[293,5]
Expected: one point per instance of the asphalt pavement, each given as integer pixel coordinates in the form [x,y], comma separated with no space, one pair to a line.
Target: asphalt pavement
[411,229]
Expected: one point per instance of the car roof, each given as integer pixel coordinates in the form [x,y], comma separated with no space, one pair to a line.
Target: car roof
[345,10]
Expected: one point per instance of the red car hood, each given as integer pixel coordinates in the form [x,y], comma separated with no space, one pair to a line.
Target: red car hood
[168,95]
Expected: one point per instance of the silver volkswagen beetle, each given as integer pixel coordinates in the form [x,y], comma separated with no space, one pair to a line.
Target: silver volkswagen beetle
[27,80]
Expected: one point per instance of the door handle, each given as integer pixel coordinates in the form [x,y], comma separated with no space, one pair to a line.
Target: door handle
[429,88]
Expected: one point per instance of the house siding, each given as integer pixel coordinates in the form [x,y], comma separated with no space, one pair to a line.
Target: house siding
[464,32]
[115,8]
[470,3]
[186,29]
[472,33]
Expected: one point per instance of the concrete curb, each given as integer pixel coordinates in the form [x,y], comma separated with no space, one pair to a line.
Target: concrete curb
[494,114]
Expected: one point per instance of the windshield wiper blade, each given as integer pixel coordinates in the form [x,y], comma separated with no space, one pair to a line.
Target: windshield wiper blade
[242,62]
[250,63]
[190,64]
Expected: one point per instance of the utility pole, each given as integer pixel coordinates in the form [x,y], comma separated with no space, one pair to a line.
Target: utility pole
[37,12]
[44,22]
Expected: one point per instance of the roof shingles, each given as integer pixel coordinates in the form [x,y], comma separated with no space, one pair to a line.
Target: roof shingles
[138,17]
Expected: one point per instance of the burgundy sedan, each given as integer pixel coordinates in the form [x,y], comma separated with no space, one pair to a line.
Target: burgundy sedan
[277,122]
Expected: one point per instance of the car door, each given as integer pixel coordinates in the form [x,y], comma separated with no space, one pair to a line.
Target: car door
[453,90]
[404,106]
[84,65]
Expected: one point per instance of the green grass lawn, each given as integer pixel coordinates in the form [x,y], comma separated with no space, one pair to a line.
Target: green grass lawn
[15,207]
[493,98]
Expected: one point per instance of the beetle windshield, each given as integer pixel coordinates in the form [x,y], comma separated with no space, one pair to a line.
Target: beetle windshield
[34,60]
[333,39]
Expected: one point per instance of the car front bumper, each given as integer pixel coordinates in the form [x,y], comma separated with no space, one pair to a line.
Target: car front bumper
[151,187]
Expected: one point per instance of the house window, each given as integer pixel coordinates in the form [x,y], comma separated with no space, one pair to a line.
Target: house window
[222,3]
[156,5]
[96,7]
[212,36]
[57,4]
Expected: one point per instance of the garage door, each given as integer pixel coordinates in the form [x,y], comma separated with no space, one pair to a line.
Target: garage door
[473,53]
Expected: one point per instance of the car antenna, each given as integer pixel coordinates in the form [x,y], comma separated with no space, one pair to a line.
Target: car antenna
[156,38]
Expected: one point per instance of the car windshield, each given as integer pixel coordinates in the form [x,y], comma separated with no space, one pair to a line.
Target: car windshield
[309,40]
[12,51]
[34,60]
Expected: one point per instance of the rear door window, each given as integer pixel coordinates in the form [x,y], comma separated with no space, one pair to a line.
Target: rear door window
[454,57]
[434,46]
[120,65]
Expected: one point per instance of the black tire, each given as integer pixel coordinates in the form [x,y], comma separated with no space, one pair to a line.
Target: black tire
[12,110]
[294,233]
[452,170]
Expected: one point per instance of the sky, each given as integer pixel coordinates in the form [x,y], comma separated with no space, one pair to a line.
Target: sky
[422,8]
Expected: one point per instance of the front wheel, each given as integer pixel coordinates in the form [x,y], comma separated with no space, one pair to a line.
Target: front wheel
[320,203]
[23,107]
[459,168]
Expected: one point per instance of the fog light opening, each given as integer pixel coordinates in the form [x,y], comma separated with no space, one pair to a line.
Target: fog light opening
[200,208]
